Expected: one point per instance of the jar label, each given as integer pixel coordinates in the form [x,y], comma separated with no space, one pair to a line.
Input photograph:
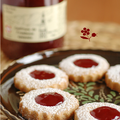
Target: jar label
[34,24]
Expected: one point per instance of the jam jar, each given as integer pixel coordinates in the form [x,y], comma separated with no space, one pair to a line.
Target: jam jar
[28,26]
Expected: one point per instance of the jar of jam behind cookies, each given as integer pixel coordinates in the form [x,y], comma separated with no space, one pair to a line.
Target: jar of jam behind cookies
[28,26]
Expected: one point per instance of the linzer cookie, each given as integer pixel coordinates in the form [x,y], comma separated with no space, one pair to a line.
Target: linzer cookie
[48,104]
[84,67]
[40,76]
[98,111]
[112,78]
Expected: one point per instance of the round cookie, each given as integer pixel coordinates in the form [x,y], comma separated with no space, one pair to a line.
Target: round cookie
[98,111]
[84,67]
[40,76]
[112,78]
[37,105]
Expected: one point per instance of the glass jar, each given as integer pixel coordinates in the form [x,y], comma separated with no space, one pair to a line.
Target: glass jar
[28,26]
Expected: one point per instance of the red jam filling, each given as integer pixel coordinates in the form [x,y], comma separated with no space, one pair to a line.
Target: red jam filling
[49,99]
[42,74]
[105,113]
[85,63]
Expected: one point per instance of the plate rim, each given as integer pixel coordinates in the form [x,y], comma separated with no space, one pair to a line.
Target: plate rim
[2,107]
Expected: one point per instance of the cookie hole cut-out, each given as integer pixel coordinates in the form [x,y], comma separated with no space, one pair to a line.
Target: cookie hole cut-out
[41,75]
[49,99]
[85,63]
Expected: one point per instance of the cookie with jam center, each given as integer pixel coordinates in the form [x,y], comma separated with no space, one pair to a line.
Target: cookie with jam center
[84,67]
[48,104]
[98,111]
[39,77]
[112,78]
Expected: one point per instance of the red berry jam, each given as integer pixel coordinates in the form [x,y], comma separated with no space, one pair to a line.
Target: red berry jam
[42,74]
[85,63]
[105,113]
[49,99]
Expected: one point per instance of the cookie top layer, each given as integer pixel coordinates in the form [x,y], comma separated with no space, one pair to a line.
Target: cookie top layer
[28,100]
[69,67]
[25,82]
[29,107]
[114,73]
[83,112]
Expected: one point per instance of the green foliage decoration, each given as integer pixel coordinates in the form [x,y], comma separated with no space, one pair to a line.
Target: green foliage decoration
[93,92]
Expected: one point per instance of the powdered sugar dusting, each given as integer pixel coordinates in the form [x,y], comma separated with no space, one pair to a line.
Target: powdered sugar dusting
[80,74]
[23,77]
[83,112]
[28,101]
[70,68]
[114,73]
